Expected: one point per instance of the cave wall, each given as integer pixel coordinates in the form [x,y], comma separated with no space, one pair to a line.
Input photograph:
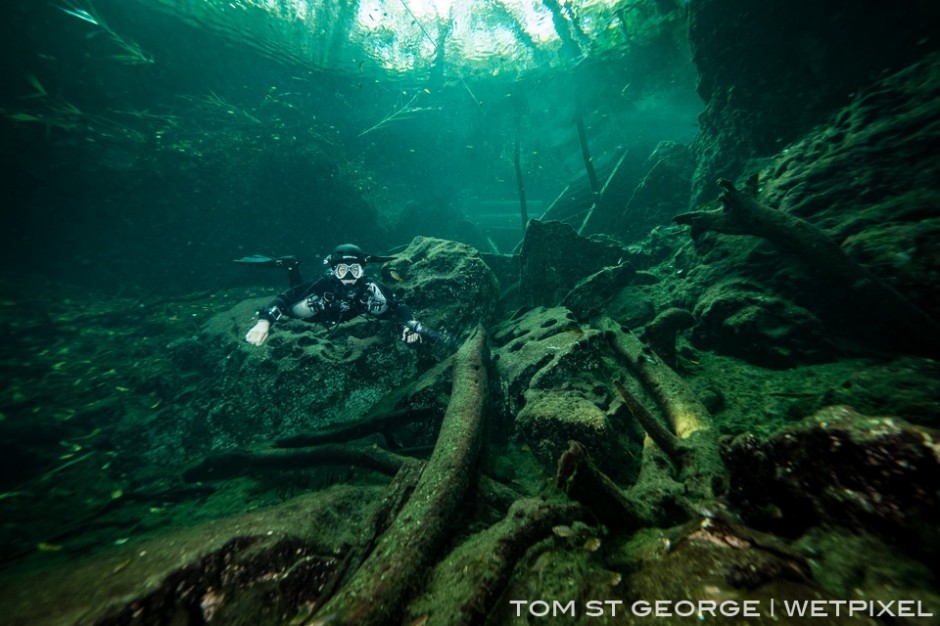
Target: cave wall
[771,71]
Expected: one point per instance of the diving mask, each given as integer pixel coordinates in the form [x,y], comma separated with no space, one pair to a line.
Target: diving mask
[342,270]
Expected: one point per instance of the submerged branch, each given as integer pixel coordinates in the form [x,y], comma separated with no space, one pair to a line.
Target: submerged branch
[910,326]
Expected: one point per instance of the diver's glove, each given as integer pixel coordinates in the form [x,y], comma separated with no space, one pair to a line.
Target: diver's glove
[412,332]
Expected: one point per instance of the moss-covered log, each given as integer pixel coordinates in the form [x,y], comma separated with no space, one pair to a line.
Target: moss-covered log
[913,329]
[468,582]
[701,469]
[377,592]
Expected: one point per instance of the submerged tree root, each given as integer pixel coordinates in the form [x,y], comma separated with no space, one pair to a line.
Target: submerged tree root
[240,462]
[583,481]
[376,593]
[681,471]
[911,327]
[696,449]
[474,575]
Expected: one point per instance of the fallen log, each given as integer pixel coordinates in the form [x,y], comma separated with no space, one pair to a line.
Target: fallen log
[379,589]
[910,326]
[658,432]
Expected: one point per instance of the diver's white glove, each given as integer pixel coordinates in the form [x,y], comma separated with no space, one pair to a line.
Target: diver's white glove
[412,332]
[258,333]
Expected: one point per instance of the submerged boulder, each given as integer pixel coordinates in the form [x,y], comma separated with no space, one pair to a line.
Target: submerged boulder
[737,318]
[551,364]
[838,467]
[308,377]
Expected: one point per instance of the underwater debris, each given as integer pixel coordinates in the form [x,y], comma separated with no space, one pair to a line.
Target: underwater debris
[400,113]
[217,101]
[133,53]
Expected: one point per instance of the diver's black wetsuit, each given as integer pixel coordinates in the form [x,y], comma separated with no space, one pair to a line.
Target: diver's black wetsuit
[329,301]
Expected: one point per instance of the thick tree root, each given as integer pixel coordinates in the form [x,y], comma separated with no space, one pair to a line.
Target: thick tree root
[656,430]
[239,462]
[911,327]
[356,430]
[475,575]
[377,592]
[397,493]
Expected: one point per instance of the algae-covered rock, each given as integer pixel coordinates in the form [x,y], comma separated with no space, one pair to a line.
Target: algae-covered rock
[592,294]
[908,387]
[448,284]
[878,474]
[307,377]
[254,568]
[551,418]
[551,365]
[544,349]
[714,561]
[738,319]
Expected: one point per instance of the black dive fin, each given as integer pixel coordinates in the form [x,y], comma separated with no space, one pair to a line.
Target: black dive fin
[288,262]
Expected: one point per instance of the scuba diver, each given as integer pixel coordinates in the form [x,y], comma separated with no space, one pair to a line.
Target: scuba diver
[342,293]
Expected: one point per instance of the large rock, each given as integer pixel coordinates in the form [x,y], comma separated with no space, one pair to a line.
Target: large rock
[872,474]
[307,377]
[550,364]
[737,318]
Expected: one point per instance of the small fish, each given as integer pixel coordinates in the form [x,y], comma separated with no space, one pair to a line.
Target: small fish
[48,547]
[592,545]
[120,566]
[563,531]
[615,580]
[117,493]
